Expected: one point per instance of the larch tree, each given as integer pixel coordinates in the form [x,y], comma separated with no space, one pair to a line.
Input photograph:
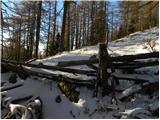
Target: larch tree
[38,27]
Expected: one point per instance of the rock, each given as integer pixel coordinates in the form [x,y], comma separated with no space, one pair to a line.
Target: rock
[136,113]
[117,115]
[58,99]
[154,107]
[71,113]
[40,63]
[86,110]
[13,78]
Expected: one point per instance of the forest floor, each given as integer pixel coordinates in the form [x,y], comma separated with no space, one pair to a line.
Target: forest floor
[139,106]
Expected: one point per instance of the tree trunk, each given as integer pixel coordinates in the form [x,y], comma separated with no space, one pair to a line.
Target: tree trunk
[63,33]
[103,74]
[54,23]
[2,22]
[38,27]
[48,40]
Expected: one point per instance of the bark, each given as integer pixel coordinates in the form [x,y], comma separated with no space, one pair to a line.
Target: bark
[55,68]
[19,41]
[124,59]
[56,77]
[38,27]
[48,37]
[135,65]
[2,34]
[103,65]
[145,87]
[31,60]
[133,77]
[134,57]
[63,39]
[18,69]
[54,25]
[76,63]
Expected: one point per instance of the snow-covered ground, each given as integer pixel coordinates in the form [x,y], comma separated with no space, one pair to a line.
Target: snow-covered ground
[89,106]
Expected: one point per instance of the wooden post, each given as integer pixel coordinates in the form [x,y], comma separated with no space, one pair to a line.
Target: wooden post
[103,69]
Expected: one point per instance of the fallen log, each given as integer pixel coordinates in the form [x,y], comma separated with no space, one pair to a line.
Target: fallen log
[92,66]
[56,68]
[56,77]
[129,91]
[134,57]
[139,89]
[11,87]
[31,60]
[133,77]
[135,64]
[18,69]
[28,72]
[117,58]
[75,63]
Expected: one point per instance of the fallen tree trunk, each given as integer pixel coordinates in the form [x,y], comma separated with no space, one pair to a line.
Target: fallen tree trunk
[134,57]
[18,69]
[56,77]
[135,64]
[75,63]
[31,60]
[56,68]
[133,77]
[28,72]
[139,88]
[117,58]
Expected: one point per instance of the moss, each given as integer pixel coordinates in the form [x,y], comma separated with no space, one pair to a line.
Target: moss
[69,91]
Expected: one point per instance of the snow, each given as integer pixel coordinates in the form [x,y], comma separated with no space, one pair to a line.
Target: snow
[89,106]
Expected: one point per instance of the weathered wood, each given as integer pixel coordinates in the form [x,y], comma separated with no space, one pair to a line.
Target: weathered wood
[31,60]
[130,91]
[135,57]
[103,68]
[117,58]
[56,68]
[78,62]
[56,77]
[135,64]
[139,89]
[92,66]
[11,87]
[18,69]
[133,77]
[53,76]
